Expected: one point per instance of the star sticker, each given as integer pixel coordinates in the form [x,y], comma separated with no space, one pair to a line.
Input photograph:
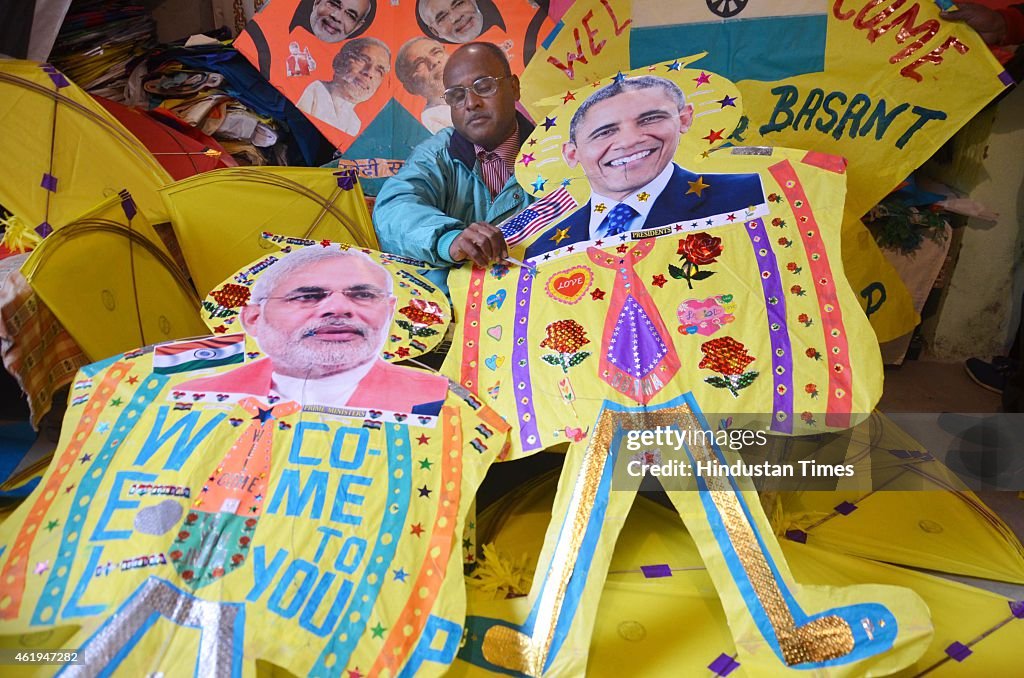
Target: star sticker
[116,402]
[642,197]
[709,222]
[621,249]
[659,280]
[560,235]
[132,380]
[467,544]
[264,415]
[705,154]
[354,673]
[538,185]
[425,464]
[325,243]
[402,352]
[570,248]
[697,186]
[598,243]
[727,101]
[378,631]
[731,217]
[527,159]
[103,427]
[566,182]
[596,84]
[423,439]
[416,529]
[42,566]
[702,79]
[674,66]
[52,524]
[424,491]
[548,122]
[220,329]
[531,142]
[569,96]
[714,135]
[400,574]
[600,207]
[619,77]
[85,458]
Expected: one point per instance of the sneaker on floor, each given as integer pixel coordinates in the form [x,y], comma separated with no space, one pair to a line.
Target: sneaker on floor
[991,376]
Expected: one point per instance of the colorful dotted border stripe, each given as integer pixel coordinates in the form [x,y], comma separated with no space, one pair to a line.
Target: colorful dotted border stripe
[471,351]
[529,435]
[409,625]
[840,374]
[778,331]
[56,585]
[339,650]
[12,577]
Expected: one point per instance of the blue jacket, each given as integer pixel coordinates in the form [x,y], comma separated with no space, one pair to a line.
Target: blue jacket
[725,192]
[436,194]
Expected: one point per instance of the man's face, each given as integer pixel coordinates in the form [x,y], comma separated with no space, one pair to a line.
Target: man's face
[361,74]
[453,20]
[486,121]
[428,59]
[335,20]
[626,141]
[326,318]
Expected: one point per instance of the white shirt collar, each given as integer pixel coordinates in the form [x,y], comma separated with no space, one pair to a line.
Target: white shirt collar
[652,190]
[334,391]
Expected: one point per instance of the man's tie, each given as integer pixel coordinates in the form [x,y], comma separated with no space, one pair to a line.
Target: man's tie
[618,219]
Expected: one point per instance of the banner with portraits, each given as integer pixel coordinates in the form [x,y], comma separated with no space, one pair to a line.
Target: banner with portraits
[371,69]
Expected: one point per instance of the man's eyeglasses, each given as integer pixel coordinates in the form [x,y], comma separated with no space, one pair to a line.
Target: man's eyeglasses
[486,86]
[309,297]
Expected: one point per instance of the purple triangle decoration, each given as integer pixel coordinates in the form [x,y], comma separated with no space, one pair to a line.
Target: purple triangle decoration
[799,536]
[656,571]
[636,347]
[846,508]
[724,665]
[49,182]
[44,229]
[958,651]
[1017,608]
[128,205]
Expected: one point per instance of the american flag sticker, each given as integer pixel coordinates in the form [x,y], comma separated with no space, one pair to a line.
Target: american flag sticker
[537,216]
[188,356]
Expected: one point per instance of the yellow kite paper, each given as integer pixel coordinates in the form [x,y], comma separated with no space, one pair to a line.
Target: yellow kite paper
[282,495]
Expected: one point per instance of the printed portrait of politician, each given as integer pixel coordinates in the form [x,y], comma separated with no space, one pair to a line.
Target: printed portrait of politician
[419,66]
[322,317]
[624,136]
[457,21]
[359,69]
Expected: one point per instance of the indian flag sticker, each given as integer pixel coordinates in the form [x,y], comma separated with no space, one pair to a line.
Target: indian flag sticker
[188,356]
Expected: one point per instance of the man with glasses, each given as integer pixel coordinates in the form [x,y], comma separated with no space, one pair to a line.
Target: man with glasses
[322,317]
[442,206]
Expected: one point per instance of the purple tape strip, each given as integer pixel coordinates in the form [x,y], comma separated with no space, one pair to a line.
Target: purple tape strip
[44,229]
[527,416]
[724,665]
[128,205]
[49,182]
[958,651]
[1017,608]
[846,508]
[58,79]
[799,536]
[775,304]
[655,571]
[1006,79]
[346,179]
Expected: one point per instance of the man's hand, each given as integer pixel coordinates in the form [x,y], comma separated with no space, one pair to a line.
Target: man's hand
[989,24]
[479,242]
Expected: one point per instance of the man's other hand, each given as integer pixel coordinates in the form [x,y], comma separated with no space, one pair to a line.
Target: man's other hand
[989,24]
[479,242]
